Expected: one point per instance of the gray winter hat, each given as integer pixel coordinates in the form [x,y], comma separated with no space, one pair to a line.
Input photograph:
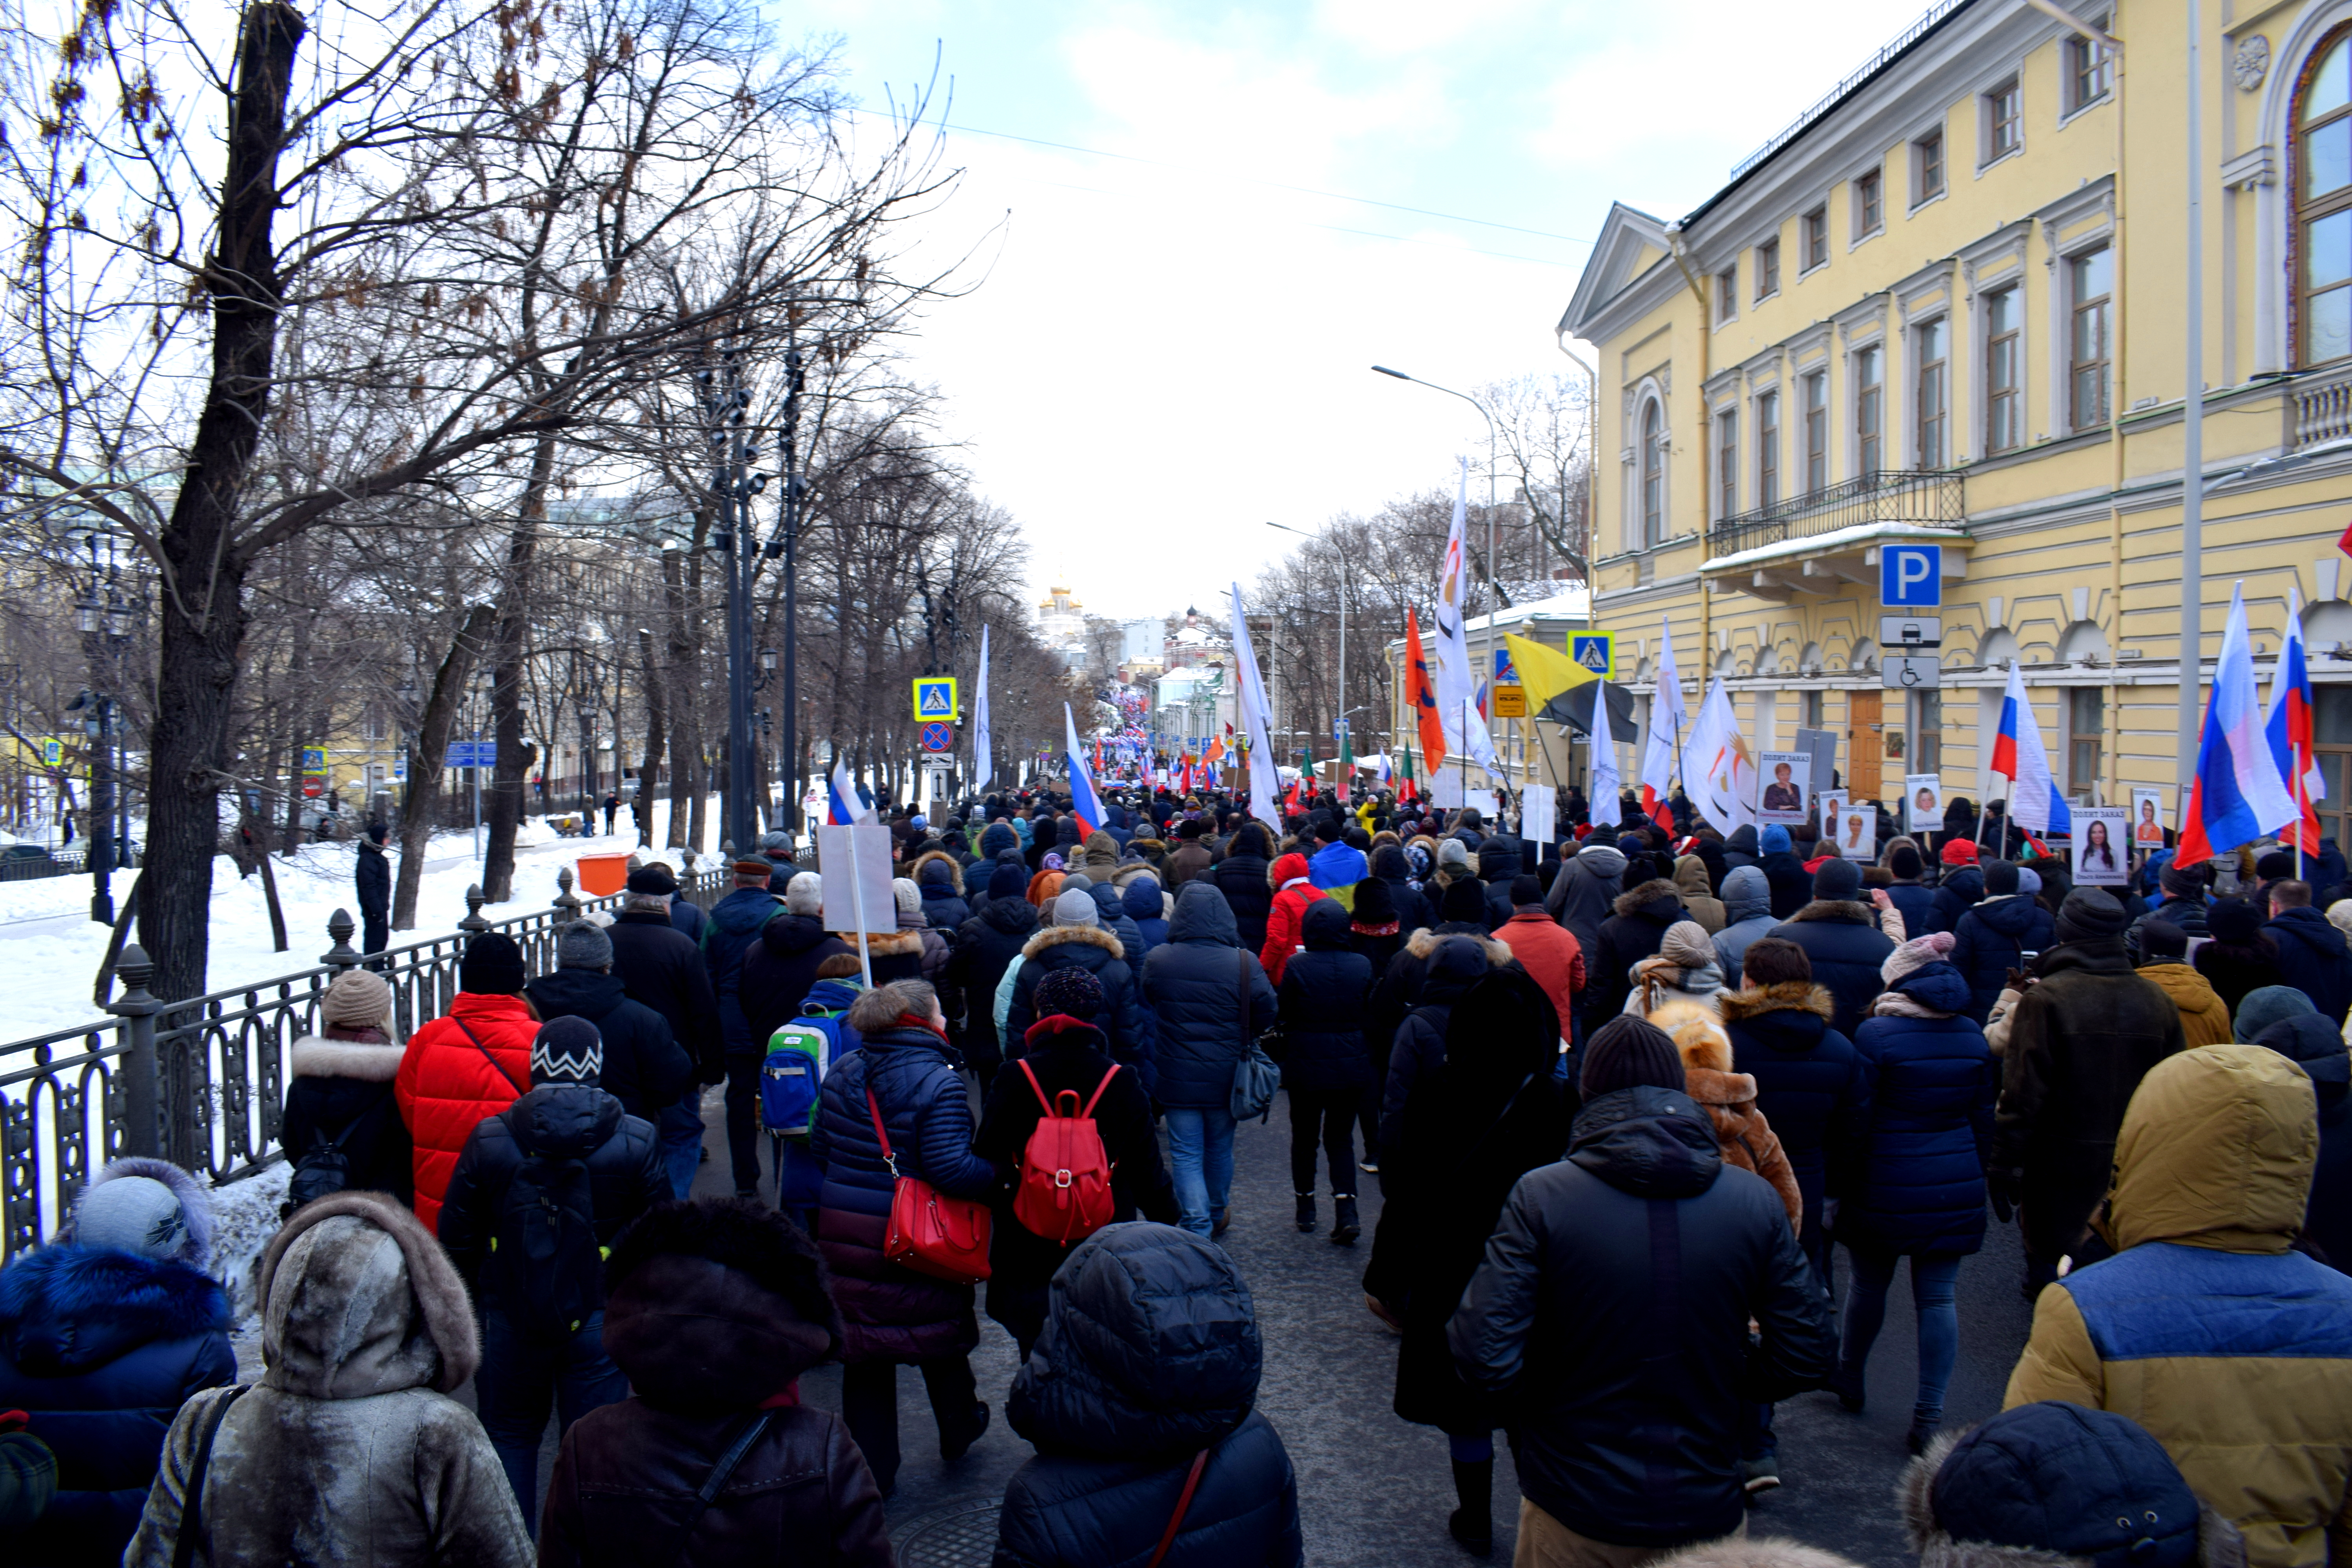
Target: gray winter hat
[567,1050]
[1074,909]
[805,894]
[909,897]
[583,946]
[132,1214]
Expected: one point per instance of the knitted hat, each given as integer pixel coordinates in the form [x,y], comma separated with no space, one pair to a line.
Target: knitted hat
[1075,908]
[1959,852]
[805,894]
[2000,878]
[137,1214]
[1070,991]
[1837,880]
[1453,855]
[1904,862]
[1007,882]
[2181,881]
[1466,901]
[1375,903]
[1919,952]
[2265,1005]
[2088,914]
[2029,880]
[2061,1480]
[909,897]
[1526,891]
[567,1050]
[1626,1053]
[583,946]
[2277,864]
[492,965]
[2233,921]
[1077,881]
[1604,834]
[1686,944]
[2161,941]
[359,999]
[655,878]
[1773,839]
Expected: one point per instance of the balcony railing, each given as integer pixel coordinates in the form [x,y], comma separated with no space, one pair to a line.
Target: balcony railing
[2319,408]
[1931,499]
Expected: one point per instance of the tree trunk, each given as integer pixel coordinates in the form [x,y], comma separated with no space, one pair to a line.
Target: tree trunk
[503,806]
[203,615]
[428,750]
[656,734]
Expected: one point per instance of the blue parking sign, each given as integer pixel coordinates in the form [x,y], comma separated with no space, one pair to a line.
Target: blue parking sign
[1911,576]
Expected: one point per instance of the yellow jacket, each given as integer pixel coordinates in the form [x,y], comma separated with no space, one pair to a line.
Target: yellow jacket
[2233,1350]
[2204,1017]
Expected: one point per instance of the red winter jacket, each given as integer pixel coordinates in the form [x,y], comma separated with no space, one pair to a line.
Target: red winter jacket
[1293,892]
[446,1085]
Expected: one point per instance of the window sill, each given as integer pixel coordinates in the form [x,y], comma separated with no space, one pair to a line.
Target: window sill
[1996,162]
[1924,203]
[1764,299]
[1816,267]
[2085,106]
[1859,240]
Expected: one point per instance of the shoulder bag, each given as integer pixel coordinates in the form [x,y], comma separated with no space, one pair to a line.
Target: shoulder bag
[1256,1075]
[1183,1505]
[496,1065]
[715,1482]
[192,1495]
[930,1232]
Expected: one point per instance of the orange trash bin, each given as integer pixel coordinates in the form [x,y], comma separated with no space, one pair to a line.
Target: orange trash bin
[601,876]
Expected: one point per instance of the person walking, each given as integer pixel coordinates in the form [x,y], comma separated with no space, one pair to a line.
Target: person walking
[2080,1039]
[1684,969]
[2316,1045]
[612,808]
[1785,872]
[1996,935]
[1845,939]
[1417,1049]
[1209,1000]
[1612,1312]
[1921,1192]
[1585,892]
[1635,932]
[1747,915]
[1492,1110]
[1292,893]
[1320,1007]
[2163,962]
[1077,940]
[2241,956]
[903,1077]
[2206,1326]
[1128,1464]
[1241,876]
[473,1061]
[104,1334]
[1546,950]
[985,946]
[1698,895]
[339,1093]
[1960,888]
[371,885]
[714,1312]
[2312,955]
[643,1067]
[663,968]
[1908,892]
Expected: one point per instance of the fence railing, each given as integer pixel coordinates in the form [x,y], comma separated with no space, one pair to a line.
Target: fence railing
[1933,498]
[202,1082]
[2319,408]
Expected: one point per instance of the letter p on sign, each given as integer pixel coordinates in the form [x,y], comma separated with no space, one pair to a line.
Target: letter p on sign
[1911,576]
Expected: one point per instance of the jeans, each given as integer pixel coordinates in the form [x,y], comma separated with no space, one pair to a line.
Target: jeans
[1327,1115]
[1200,1152]
[742,1122]
[800,1177]
[869,1407]
[681,1140]
[1934,1276]
[520,1375]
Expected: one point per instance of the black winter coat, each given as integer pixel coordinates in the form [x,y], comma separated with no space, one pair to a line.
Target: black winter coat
[1960,891]
[1810,1084]
[2188,914]
[343,1088]
[2314,1045]
[728,934]
[1636,931]
[1627,1391]
[1585,892]
[1454,965]
[100,1348]
[1791,884]
[1242,878]
[1150,1355]
[1932,1090]
[780,969]
[984,945]
[1993,939]
[1124,1020]
[554,1120]
[1917,903]
[645,1068]
[1194,984]
[1499,863]
[372,881]
[1847,949]
[661,967]
[2314,959]
[887,1312]
[1324,999]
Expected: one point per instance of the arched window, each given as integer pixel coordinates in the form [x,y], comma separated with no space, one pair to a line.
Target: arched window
[1654,478]
[2323,204]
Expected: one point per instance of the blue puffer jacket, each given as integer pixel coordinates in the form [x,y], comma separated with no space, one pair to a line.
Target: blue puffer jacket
[100,1348]
[1810,1085]
[1917,902]
[1124,1020]
[1958,893]
[1111,908]
[734,925]
[1193,984]
[2314,959]
[1934,1081]
[1147,907]
[1842,939]
[1324,995]
[1993,939]
[1151,1353]
[887,1312]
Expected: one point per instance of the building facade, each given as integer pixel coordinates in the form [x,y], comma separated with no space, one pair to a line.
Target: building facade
[1951,304]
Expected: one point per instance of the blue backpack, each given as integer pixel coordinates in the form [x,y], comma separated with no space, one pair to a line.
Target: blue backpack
[800,1052]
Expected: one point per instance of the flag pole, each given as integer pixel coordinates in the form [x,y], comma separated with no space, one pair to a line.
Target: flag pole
[857,907]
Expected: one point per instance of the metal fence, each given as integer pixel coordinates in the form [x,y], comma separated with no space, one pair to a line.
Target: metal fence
[1934,498]
[202,1082]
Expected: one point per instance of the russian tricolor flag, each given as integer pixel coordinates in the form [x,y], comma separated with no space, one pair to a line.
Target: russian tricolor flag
[2237,795]
[841,805]
[1085,804]
[2289,732]
[2017,756]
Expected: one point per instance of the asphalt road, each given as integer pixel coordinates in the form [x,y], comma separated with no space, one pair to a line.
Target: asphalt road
[1373,1488]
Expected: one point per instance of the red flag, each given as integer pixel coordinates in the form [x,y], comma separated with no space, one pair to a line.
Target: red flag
[1421,694]
[2345,543]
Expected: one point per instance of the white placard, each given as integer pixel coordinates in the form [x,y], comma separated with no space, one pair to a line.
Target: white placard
[872,894]
[1482,802]
[2147,818]
[1538,814]
[2102,854]
[1784,786]
[1923,803]
[1446,788]
[1857,829]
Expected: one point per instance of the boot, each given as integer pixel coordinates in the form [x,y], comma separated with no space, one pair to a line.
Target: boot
[1922,1433]
[1344,1228]
[954,1448]
[1306,1211]
[1847,1384]
[1472,1524]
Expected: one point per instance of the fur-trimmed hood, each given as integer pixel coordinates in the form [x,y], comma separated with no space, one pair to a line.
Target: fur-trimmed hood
[1053,936]
[886,945]
[67,1309]
[1845,910]
[196,1204]
[1753,1552]
[313,1056]
[2219,1543]
[1643,898]
[1699,1038]
[1781,997]
[954,879]
[358,1298]
[1424,942]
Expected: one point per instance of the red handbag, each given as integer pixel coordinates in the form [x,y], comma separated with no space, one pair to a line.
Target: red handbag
[929,1232]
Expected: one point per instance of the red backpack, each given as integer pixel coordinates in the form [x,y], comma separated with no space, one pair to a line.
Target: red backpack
[1064,1192]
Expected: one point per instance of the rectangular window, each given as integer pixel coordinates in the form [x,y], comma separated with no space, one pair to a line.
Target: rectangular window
[1726,462]
[2086,715]
[1930,730]
[1768,449]
[1927,167]
[1809,709]
[2004,390]
[1817,237]
[1726,293]
[1817,430]
[2090,288]
[1869,396]
[1869,203]
[2090,70]
[1930,346]
[1768,268]
[2004,121]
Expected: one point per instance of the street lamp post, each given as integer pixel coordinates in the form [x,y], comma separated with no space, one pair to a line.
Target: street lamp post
[788,546]
[105,627]
[1491,579]
[587,764]
[725,399]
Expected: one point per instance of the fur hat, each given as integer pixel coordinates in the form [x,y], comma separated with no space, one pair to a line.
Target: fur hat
[492,965]
[909,897]
[1918,953]
[1837,880]
[1074,908]
[1685,945]
[567,1050]
[359,999]
[1464,901]
[149,1208]
[583,946]
[1628,1052]
[1007,882]
[805,894]
[1070,991]
[2089,914]
[656,878]
[753,869]
[1698,1034]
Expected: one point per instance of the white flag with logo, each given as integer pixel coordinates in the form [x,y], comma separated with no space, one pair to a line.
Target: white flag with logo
[1667,727]
[1608,783]
[1452,681]
[984,766]
[1264,783]
[1719,770]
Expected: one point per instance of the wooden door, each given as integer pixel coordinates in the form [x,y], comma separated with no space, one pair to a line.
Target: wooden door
[1865,736]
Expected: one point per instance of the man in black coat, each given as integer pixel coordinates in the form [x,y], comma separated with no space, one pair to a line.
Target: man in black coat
[2312,953]
[1842,940]
[1611,1314]
[1077,940]
[660,966]
[372,882]
[644,1067]
[780,968]
[1634,933]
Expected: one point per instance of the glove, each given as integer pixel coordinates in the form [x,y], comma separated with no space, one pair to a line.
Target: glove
[2000,1187]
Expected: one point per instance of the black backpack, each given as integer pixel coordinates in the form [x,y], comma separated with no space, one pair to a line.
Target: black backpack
[324,1169]
[545,1269]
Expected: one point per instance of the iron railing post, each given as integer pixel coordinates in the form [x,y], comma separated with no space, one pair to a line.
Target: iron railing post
[342,955]
[142,1095]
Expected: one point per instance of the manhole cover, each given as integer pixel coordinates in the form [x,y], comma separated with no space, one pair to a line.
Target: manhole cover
[959,1535]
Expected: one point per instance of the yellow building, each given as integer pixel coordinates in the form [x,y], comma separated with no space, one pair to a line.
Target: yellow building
[1951,303]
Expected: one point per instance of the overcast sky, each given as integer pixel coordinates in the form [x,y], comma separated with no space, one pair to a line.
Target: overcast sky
[1169,342]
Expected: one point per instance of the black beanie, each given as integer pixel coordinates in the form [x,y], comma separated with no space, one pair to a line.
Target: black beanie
[2088,914]
[1526,890]
[1375,903]
[1465,902]
[1628,1052]
[2161,941]
[492,965]
[1904,863]
[2001,877]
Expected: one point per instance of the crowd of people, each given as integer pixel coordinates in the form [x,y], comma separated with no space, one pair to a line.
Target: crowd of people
[1625,1094]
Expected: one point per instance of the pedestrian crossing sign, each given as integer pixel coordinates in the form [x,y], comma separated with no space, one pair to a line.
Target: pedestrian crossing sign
[1596,651]
[935,696]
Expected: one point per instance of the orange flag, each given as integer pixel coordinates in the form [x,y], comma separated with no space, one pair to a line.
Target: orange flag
[1421,694]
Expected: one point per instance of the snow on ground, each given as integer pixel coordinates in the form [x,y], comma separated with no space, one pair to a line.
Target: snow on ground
[50,948]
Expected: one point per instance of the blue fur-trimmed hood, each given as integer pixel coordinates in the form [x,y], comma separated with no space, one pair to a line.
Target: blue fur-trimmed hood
[67,1309]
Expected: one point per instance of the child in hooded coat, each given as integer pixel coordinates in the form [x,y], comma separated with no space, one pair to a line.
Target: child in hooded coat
[1728,1098]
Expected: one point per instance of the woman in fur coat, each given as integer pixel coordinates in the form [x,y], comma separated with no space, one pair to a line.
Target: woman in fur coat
[1728,1098]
